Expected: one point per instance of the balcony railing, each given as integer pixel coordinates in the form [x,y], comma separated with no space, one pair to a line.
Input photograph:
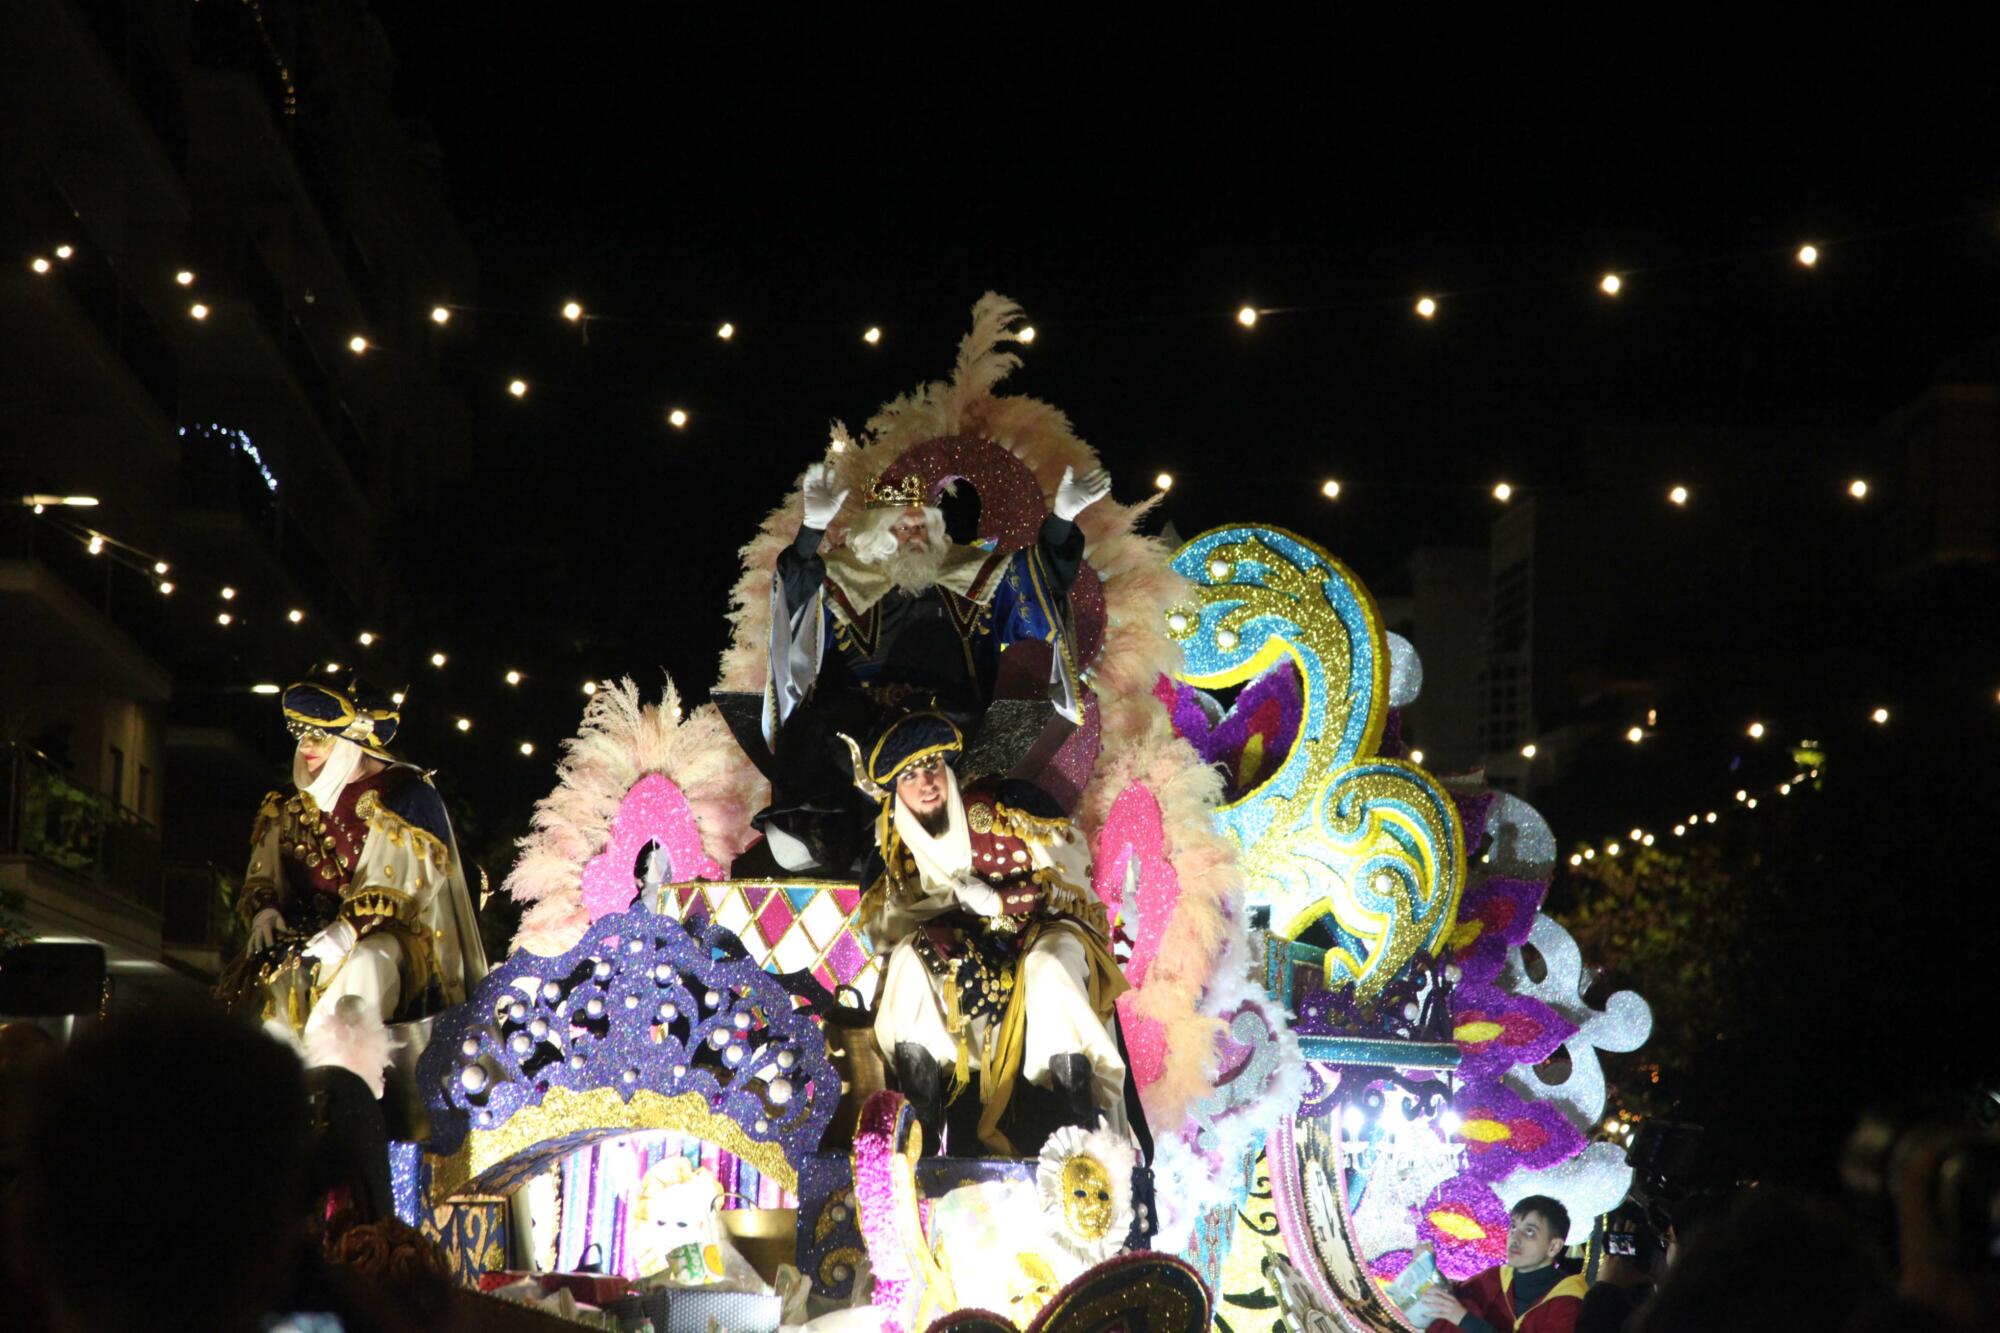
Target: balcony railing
[89,835]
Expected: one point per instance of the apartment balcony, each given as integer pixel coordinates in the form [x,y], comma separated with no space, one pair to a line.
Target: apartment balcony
[76,862]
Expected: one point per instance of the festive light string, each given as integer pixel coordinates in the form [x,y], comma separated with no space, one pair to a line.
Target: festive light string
[1428,306]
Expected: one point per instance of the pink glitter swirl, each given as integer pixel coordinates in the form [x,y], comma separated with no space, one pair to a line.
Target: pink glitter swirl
[878,1199]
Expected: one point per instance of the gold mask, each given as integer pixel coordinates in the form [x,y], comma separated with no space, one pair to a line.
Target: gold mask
[1086,1197]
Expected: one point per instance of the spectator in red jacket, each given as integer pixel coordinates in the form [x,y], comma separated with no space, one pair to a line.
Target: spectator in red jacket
[1527,1294]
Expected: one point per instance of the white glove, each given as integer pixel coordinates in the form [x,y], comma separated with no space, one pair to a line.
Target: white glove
[333,944]
[264,929]
[822,501]
[1074,496]
[977,896]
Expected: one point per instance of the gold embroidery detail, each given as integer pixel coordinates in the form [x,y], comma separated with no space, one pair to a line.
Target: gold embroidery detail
[979,817]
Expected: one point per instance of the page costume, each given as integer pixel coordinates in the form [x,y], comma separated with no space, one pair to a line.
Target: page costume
[1489,1300]
[1015,993]
[376,862]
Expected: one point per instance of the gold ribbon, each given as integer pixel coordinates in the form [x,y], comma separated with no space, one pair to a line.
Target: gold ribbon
[1006,1044]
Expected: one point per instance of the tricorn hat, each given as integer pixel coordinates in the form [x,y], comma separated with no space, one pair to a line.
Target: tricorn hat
[909,739]
[359,713]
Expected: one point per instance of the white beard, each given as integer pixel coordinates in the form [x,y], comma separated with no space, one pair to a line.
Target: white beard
[872,543]
[914,571]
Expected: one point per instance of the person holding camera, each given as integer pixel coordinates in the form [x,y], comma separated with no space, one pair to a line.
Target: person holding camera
[1527,1294]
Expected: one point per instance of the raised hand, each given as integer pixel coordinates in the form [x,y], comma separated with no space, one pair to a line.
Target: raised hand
[1073,496]
[822,501]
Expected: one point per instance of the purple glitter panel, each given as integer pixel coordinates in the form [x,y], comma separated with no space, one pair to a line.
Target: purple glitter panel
[1466,1224]
[1503,1133]
[1505,912]
[1268,709]
[847,957]
[1068,771]
[1496,1030]
[640,1004]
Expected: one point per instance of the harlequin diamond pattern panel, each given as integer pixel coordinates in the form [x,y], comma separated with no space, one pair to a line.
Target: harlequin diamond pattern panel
[787,927]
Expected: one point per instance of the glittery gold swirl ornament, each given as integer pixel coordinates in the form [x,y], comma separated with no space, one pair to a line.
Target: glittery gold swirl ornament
[1371,845]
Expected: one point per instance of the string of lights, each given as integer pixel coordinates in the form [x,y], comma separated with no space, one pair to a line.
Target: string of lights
[234,611]
[1427,307]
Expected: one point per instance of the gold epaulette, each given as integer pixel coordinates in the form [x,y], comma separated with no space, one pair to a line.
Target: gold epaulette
[376,904]
[1012,823]
[400,831]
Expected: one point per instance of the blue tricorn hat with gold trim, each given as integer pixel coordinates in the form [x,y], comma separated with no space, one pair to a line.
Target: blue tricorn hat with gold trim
[359,713]
[910,739]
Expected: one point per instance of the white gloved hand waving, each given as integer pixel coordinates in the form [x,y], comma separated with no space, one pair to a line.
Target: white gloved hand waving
[264,929]
[1074,495]
[822,501]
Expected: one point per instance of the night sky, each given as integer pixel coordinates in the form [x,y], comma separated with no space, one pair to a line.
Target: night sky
[804,183]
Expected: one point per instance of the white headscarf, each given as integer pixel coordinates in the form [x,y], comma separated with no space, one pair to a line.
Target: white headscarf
[333,774]
[943,859]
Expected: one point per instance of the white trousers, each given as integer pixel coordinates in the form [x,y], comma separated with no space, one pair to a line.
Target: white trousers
[1056,974]
[348,1027]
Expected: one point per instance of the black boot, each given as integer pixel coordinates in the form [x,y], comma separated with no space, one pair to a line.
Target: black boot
[1075,1084]
[922,1085]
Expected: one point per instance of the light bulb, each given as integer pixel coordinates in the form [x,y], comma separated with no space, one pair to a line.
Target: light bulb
[677,418]
[1636,834]
[224,619]
[166,587]
[40,265]
[184,278]
[295,615]
[159,566]
[397,698]
[1416,756]
[1026,334]
[1612,849]
[1808,255]
[590,687]
[527,747]
[1678,495]
[265,688]
[872,336]
[96,544]
[365,638]
[65,251]
[1330,489]
[440,315]
[572,311]
[1528,751]
[228,594]
[1247,317]
[465,724]
[437,659]
[333,668]
[1610,284]
[1165,481]
[198,311]
[1635,735]
[1756,730]
[1858,489]
[1503,492]
[519,388]
[1680,830]
[1879,716]
[726,332]
[357,344]
[513,678]
[1576,858]
[1427,307]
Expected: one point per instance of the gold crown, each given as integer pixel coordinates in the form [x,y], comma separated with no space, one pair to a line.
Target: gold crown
[905,494]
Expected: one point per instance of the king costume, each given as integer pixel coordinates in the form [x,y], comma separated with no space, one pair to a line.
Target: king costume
[857,636]
[996,945]
[357,901]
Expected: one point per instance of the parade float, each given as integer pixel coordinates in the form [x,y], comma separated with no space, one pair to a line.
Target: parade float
[1353,1033]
